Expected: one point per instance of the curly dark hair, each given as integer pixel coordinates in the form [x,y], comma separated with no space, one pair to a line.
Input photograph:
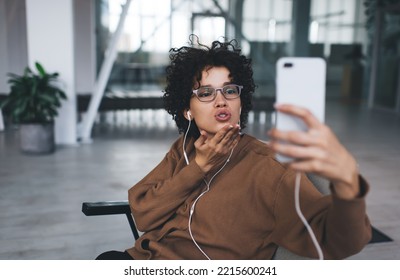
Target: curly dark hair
[184,73]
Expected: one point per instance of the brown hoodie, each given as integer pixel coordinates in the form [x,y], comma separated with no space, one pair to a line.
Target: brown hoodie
[247,213]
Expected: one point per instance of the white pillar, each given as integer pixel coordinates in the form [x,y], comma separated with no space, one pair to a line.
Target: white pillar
[50,32]
[104,75]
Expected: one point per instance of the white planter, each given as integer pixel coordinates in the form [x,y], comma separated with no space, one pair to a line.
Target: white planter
[37,138]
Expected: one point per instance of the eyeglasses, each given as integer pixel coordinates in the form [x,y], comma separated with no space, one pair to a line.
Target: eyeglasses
[207,94]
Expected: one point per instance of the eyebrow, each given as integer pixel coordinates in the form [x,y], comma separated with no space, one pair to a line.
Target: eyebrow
[224,84]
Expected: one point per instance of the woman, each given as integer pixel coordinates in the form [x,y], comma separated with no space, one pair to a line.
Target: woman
[221,194]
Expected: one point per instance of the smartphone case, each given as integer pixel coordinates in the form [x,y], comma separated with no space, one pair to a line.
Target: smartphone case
[300,81]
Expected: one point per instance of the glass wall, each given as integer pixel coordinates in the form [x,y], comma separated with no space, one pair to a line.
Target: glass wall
[262,26]
[151,29]
[148,35]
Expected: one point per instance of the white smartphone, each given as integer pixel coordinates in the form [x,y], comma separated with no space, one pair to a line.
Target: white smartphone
[300,81]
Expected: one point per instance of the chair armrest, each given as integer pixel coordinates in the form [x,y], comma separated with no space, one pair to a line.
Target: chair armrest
[111,208]
[105,208]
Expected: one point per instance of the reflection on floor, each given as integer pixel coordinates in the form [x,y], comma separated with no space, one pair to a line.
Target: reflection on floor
[41,196]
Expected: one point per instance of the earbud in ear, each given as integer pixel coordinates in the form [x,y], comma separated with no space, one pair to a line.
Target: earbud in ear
[189,115]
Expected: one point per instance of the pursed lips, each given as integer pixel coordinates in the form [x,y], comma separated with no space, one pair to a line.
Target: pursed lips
[222,115]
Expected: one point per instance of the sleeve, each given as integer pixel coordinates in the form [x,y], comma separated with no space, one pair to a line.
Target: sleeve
[341,227]
[157,196]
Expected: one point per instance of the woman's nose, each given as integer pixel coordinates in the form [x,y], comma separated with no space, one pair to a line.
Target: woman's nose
[220,100]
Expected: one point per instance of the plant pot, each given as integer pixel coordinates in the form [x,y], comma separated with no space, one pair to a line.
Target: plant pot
[37,138]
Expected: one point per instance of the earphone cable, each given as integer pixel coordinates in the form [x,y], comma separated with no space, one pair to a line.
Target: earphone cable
[204,192]
[303,219]
[194,204]
[184,143]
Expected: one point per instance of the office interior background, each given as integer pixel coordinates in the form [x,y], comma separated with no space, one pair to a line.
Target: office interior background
[100,159]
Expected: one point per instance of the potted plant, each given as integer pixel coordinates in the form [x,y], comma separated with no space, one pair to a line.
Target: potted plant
[33,103]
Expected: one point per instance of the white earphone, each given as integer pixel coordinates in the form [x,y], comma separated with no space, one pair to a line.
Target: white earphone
[189,115]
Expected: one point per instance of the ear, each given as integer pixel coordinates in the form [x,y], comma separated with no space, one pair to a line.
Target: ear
[187,114]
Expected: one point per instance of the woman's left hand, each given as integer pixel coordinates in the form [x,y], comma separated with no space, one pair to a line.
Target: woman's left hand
[318,151]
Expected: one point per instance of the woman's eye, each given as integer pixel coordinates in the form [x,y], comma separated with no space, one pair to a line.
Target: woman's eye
[205,93]
[230,90]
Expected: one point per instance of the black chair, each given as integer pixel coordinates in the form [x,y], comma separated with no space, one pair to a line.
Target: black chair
[111,208]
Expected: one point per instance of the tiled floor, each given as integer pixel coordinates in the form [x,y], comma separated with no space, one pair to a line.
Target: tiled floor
[41,196]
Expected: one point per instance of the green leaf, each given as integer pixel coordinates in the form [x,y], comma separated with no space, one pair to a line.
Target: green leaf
[62,94]
[27,71]
[48,98]
[40,69]
[4,103]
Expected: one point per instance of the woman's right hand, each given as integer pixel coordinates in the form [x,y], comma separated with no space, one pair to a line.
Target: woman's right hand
[318,151]
[212,152]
